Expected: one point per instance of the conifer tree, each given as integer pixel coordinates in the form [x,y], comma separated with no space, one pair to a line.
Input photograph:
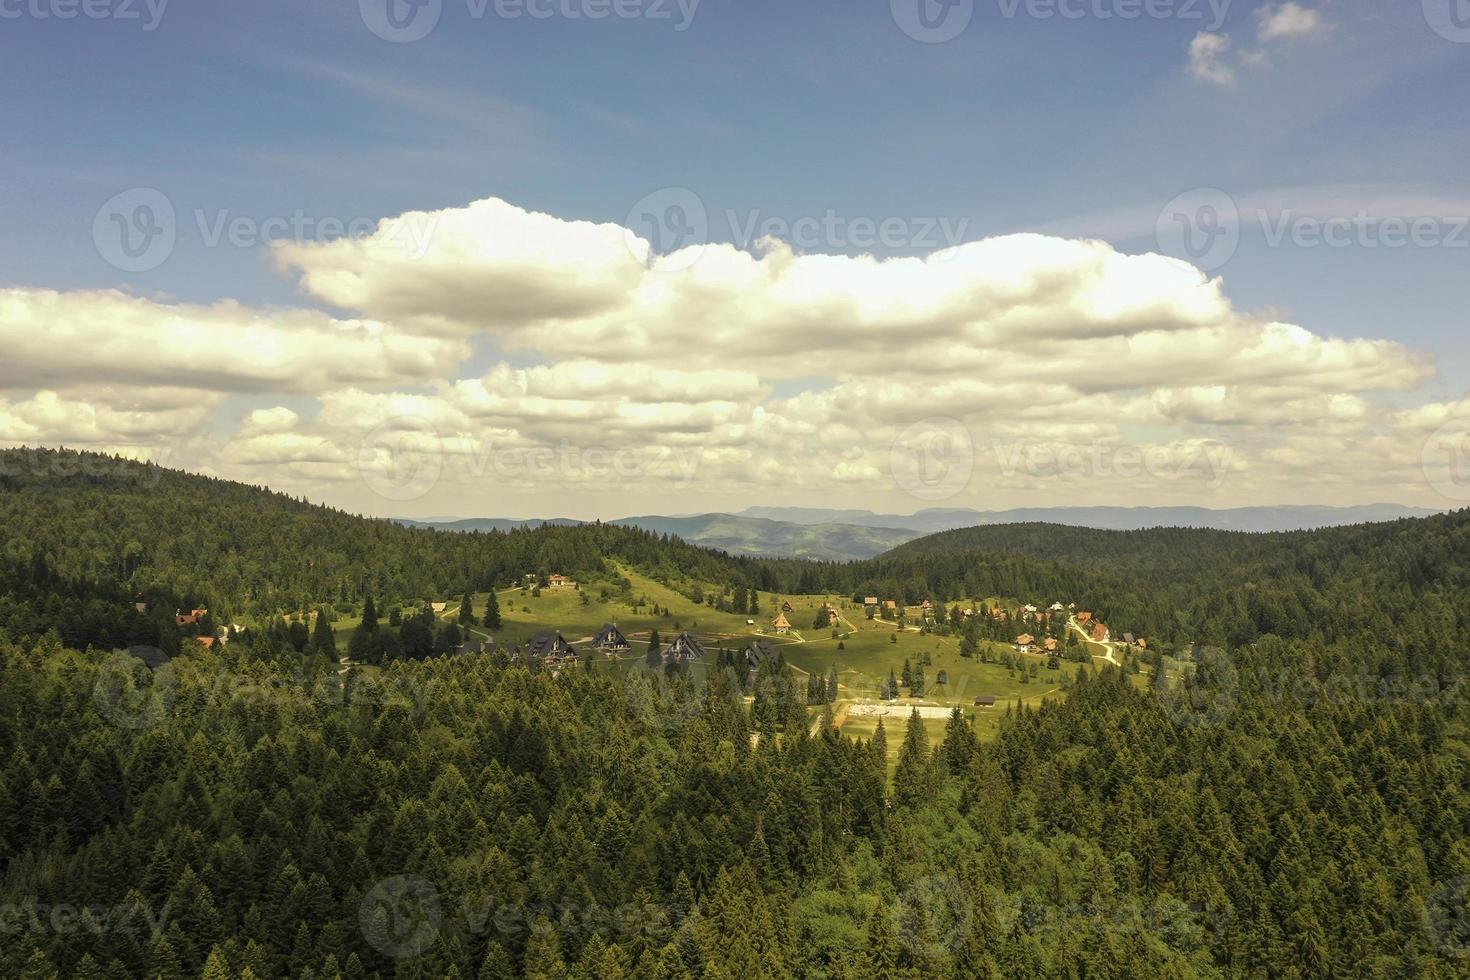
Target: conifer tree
[369,616]
[913,782]
[323,641]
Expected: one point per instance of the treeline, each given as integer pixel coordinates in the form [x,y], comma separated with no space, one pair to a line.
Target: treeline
[1194,586]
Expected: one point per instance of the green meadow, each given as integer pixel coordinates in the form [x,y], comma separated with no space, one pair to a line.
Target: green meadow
[863,650]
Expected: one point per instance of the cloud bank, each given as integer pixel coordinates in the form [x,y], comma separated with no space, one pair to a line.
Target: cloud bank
[716,377]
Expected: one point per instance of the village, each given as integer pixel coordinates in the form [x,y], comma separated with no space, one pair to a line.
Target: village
[868,657]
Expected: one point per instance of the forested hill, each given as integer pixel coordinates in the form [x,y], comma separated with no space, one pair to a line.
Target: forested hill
[1193,585]
[84,532]
[1297,806]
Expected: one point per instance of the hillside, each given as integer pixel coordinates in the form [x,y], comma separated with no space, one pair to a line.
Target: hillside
[1279,787]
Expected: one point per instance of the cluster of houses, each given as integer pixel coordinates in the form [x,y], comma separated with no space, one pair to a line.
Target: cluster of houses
[1026,643]
[1090,625]
[184,619]
[551,650]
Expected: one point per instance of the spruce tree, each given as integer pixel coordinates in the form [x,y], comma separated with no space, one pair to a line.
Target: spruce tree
[369,616]
[323,641]
[466,611]
[492,612]
[913,779]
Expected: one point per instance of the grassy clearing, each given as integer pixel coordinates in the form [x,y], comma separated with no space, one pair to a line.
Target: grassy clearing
[862,650]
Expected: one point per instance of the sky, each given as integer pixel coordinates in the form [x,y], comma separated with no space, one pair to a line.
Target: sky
[593,258]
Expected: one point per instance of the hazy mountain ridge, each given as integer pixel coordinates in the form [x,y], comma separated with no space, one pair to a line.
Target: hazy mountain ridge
[1282,518]
[849,535]
[731,533]
[761,536]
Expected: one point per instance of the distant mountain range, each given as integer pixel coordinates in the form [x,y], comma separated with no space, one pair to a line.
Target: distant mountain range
[1285,518]
[732,533]
[844,535]
[741,535]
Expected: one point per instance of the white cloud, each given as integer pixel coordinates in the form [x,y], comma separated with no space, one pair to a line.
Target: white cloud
[1207,58]
[735,379]
[110,337]
[1289,21]
[1213,58]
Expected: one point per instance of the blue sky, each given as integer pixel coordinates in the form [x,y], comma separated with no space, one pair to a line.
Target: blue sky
[1079,127]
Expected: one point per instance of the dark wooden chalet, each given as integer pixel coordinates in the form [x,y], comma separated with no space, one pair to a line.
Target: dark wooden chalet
[759,651]
[684,649]
[611,640]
